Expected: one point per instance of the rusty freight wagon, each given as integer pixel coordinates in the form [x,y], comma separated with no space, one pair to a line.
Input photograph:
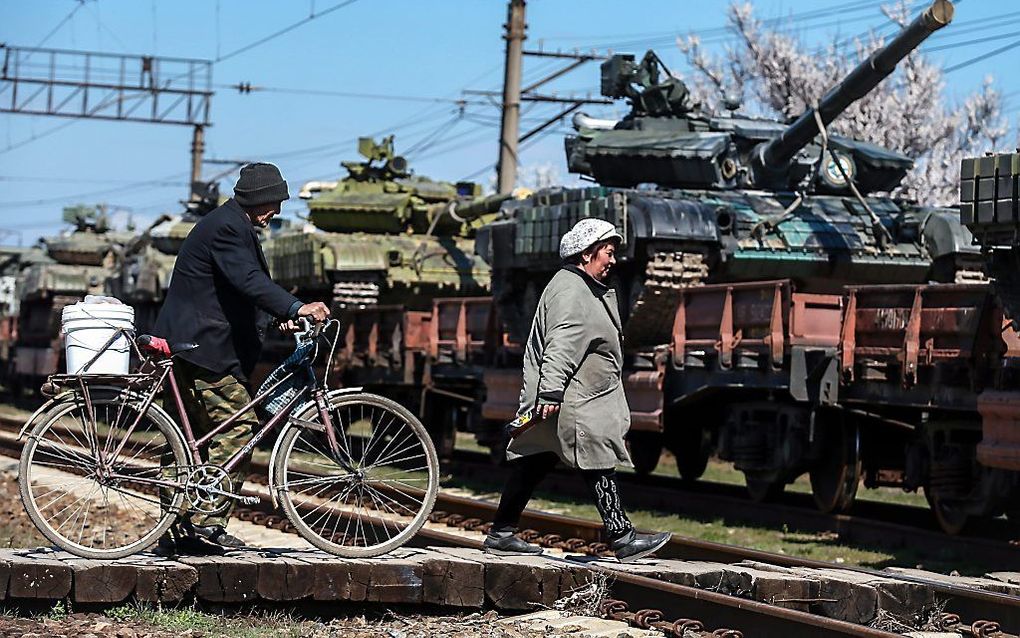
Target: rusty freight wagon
[880,384]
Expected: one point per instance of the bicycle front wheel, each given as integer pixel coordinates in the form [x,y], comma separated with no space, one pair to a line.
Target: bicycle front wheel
[369,490]
[95,490]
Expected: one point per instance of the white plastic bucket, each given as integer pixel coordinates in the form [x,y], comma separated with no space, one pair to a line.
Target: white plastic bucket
[87,327]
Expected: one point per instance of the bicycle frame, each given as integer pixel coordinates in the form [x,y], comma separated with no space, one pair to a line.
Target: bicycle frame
[316,388]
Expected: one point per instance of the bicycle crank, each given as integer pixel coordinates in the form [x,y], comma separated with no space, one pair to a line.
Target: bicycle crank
[209,488]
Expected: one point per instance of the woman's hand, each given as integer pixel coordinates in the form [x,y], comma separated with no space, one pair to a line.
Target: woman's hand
[548,410]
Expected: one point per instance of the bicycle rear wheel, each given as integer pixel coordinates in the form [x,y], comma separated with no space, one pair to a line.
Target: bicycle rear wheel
[87,497]
[371,493]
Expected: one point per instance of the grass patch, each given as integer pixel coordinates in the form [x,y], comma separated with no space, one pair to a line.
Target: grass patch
[236,625]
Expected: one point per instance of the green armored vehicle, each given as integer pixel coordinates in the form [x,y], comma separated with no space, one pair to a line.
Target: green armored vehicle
[384,236]
[701,198]
[718,199]
[387,249]
[75,264]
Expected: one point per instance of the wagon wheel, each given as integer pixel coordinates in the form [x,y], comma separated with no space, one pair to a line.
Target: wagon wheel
[951,520]
[691,463]
[689,445]
[835,477]
[645,450]
[763,488]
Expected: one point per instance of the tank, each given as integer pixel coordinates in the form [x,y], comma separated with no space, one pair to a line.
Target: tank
[707,199]
[75,263]
[147,261]
[384,236]
[392,253]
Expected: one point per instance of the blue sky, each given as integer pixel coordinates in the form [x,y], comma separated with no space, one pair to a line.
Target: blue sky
[384,47]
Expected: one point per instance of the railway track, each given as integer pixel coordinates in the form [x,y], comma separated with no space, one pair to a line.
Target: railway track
[461,522]
[886,525]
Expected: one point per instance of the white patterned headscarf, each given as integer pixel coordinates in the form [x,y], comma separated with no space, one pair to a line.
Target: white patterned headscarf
[584,234]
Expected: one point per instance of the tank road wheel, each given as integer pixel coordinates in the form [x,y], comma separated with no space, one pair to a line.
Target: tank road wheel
[763,488]
[834,478]
[951,520]
[645,450]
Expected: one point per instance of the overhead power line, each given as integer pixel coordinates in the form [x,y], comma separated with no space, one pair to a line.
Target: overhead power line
[984,56]
[287,29]
[86,195]
[965,43]
[248,87]
[54,30]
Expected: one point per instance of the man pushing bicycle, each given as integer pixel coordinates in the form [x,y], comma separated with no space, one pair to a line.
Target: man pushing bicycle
[221,299]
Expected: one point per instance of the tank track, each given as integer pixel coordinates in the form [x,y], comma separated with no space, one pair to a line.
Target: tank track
[651,318]
[356,294]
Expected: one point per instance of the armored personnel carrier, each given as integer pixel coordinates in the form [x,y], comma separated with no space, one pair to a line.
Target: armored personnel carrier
[386,236]
[730,202]
[702,198]
[76,263]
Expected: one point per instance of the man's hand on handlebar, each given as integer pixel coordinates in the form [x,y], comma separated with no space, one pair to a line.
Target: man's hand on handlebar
[317,311]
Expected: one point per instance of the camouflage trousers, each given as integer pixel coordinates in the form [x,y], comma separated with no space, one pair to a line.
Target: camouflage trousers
[209,399]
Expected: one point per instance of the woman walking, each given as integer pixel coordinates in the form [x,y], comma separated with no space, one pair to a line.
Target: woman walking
[573,366]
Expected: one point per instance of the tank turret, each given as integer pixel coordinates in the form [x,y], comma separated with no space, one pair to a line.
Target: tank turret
[667,141]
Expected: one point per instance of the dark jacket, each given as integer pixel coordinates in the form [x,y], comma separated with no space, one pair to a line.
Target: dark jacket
[220,294]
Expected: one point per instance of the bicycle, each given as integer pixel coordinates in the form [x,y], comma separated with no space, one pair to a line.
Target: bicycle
[106,470]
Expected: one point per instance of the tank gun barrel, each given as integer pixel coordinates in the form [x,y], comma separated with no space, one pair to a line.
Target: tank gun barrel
[480,206]
[776,154]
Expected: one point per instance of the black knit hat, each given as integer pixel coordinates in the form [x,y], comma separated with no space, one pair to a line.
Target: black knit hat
[260,183]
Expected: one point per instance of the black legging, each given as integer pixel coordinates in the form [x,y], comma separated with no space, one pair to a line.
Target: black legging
[528,471]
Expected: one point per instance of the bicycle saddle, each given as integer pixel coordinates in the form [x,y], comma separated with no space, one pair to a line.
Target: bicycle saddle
[160,345]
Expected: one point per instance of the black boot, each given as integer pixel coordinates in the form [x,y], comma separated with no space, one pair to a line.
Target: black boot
[218,535]
[634,546]
[199,540]
[166,546]
[504,543]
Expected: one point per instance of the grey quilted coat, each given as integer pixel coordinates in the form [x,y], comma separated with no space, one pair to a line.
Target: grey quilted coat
[574,357]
